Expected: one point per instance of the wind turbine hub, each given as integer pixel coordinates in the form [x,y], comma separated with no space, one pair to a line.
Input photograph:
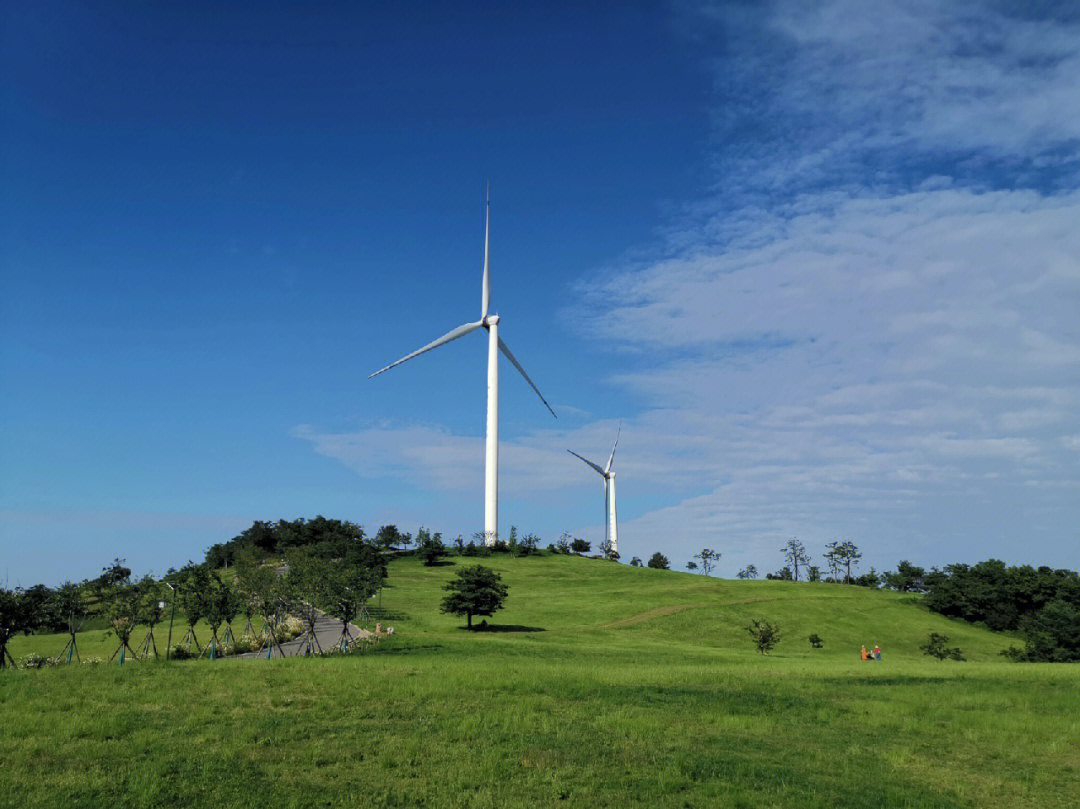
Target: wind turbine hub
[491,320]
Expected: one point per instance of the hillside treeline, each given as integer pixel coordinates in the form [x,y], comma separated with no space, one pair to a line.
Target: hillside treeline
[320,537]
[1043,604]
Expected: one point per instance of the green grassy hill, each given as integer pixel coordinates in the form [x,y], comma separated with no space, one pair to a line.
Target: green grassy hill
[640,688]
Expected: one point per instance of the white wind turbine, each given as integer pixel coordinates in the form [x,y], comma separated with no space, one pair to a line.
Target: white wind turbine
[611,520]
[495,345]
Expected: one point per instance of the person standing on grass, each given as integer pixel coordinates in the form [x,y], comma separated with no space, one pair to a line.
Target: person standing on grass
[864,655]
[877,652]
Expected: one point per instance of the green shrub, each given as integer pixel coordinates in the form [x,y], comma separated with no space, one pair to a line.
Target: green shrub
[935,647]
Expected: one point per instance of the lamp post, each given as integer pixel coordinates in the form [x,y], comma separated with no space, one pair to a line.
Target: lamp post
[172,614]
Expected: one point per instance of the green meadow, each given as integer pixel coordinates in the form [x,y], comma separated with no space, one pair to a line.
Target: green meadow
[599,685]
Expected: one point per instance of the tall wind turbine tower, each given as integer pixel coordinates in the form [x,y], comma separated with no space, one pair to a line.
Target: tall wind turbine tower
[611,519]
[495,345]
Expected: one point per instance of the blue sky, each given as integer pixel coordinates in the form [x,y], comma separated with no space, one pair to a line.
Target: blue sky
[823,266]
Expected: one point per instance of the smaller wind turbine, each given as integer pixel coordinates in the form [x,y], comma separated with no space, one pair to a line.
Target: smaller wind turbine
[611,520]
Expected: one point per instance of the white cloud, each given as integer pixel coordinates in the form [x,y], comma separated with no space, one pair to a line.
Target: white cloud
[889,350]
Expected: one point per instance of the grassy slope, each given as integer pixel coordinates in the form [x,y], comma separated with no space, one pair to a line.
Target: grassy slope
[642,690]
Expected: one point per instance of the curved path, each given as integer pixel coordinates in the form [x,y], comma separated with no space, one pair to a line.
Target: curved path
[327,633]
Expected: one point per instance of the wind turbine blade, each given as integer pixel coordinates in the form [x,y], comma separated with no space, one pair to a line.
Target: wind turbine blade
[516,364]
[590,463]
[460,331]
[486,295]
[612,456]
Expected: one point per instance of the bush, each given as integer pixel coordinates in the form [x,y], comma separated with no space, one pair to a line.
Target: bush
[180,652]
[659,562]
[816,641]
[766,635]
[935,647]
[36,661]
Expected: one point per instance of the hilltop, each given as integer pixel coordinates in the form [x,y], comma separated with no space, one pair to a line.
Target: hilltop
[598,685]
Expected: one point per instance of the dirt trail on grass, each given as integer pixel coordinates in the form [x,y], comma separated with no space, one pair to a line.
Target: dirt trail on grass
[648,615]
[671,609]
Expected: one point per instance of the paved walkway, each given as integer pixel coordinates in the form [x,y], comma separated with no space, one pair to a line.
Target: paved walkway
[327,632]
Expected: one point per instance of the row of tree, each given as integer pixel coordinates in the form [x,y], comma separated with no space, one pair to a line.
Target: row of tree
[306,586]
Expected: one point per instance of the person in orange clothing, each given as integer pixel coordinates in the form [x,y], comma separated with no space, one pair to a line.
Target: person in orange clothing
[877,652]
[865,655]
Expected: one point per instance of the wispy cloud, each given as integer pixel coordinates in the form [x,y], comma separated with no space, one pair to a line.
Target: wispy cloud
[870,327]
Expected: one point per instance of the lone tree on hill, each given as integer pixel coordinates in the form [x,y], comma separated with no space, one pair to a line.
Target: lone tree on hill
[765,634]
[708,558]
[795,554]
[748,572]
[475,590]
[659,562]
[580,546]
[691,565]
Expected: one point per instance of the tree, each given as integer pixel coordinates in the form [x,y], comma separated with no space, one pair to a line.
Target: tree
[849,555]
[39,601]
[765,634]
[833,560]
[813,573]
[1051,635]
[708,558]
[15,617]
[908,578]
[580,546]
[816,641]
[122,611]
[609,551]
[389,538]
[563,545]
[69,604]
[192,593]
[151,611]
[111,574]
[748,572]
[306,585]
[347,589]
[475,590]
[659,562]
[795,554]
[528,544]
[935,647]
[430,547]
[222,604]
[691,565]
[635,561]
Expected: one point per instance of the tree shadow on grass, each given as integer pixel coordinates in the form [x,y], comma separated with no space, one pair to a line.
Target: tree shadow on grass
[502,628]
[442,563]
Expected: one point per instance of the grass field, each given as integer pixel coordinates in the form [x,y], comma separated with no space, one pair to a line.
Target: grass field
[605,686]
